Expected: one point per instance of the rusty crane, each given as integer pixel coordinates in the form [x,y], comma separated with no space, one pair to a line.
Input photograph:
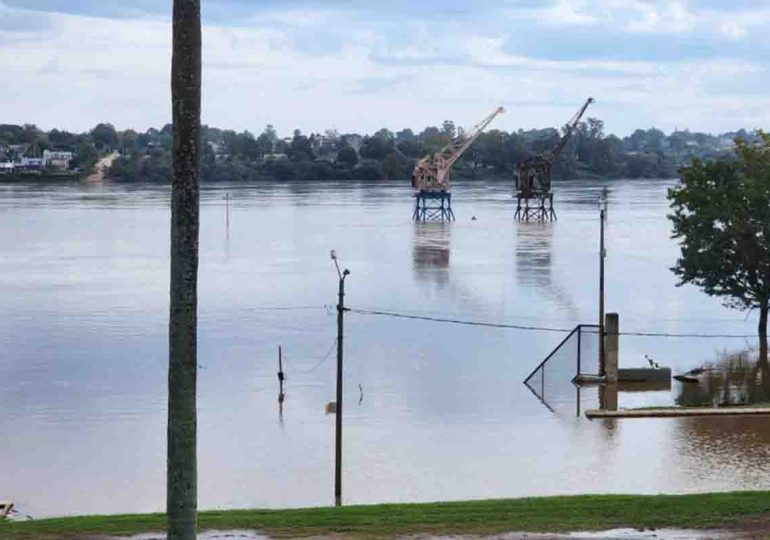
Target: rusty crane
[430,179]
[534,198]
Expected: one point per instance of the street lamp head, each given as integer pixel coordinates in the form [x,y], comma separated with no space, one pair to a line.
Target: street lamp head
[333,255]
[346,272]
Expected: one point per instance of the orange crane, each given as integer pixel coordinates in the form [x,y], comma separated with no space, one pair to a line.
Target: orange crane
[432,171]
[431,174]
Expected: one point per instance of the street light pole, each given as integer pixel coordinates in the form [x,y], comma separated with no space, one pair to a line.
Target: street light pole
[338,403]
[602,255]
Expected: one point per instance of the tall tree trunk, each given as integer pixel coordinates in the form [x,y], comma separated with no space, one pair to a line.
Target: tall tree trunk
[182,479]
[763,308]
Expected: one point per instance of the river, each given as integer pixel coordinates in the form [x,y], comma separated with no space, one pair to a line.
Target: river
[433,411]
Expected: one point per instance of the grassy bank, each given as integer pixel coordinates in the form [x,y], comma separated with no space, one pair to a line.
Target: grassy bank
[545,514]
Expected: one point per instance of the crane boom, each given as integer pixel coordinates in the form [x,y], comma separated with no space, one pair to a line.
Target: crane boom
[533,175]
[432,171]
[571,125]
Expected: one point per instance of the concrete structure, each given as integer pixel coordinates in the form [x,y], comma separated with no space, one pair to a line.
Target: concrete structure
[661,376]
[673,412]
[57,159]
[31,163]
[611,347]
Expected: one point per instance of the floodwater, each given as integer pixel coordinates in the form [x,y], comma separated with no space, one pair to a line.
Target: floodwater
[433,411]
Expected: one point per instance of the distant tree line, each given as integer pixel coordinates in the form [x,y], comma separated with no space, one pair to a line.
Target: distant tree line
[231,156]
[30,141]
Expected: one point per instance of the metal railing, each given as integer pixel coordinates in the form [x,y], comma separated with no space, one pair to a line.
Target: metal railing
[552,381]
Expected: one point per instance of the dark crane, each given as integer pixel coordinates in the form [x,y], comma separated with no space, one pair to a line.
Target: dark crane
[533,176]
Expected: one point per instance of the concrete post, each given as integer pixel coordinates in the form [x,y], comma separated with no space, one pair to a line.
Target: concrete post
[608,396]
[611,346]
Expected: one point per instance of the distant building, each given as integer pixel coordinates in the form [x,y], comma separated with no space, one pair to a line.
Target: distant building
[57,159]
[19,149]
[7,167]
[31,163]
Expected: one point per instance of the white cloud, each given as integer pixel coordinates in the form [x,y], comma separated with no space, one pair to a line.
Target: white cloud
[733,30]
[83,70]
[668,17]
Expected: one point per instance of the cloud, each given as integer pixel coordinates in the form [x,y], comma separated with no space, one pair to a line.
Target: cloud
[361,66]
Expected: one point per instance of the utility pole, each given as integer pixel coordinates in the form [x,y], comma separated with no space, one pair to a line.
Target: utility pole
[338,403]
[602,255]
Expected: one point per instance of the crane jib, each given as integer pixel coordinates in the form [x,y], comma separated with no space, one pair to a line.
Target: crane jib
[432,172]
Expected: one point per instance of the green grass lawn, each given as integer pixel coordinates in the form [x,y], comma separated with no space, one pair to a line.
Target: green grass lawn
[544,514]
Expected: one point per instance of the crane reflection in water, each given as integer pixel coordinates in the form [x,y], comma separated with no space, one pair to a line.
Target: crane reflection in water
[431,253]
[534,265]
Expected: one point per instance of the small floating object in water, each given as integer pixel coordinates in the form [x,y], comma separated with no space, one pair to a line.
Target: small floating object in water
[685,379]
[473,218]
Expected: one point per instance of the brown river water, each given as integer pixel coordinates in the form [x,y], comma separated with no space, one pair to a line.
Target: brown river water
[433,411]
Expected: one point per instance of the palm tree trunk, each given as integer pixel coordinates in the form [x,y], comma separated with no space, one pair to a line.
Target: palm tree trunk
[181,480]
[763,308]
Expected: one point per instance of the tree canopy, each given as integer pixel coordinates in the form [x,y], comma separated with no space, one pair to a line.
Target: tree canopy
[721,217]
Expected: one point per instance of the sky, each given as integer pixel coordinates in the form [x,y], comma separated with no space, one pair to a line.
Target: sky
[358,66]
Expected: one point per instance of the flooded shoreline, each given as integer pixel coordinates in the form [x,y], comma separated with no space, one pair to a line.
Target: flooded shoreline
[445,414]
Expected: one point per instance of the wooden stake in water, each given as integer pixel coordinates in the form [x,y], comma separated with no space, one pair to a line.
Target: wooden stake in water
[227,208]
[281,376]
[281,379]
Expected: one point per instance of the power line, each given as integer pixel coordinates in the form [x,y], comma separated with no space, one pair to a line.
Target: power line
[317,365]
[457,321]
[287,308]
[540,328]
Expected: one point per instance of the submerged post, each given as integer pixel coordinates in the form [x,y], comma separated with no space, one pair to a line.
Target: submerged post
[281,376]
[611,347]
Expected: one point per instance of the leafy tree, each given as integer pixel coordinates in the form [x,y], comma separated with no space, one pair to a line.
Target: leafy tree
[104,136]
[392,166]
[300,148]
[85,157]
[348,157]
[376,147]
[448,129]
[265,144]
[62,139]
[128,141]
[721,216]
[182,475]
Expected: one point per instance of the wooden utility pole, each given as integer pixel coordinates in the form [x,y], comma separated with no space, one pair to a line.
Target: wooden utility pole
[182,467]
[338,403]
